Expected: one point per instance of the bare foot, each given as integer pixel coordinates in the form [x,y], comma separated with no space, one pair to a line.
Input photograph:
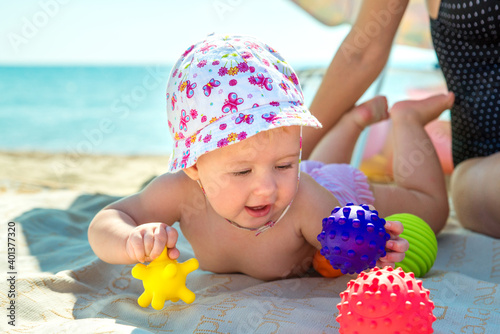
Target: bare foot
[372,111]
[422,111]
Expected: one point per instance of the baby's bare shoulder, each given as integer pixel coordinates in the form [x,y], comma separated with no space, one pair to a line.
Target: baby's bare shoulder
[171,180]
[160,200]
[312,193]
[172,187]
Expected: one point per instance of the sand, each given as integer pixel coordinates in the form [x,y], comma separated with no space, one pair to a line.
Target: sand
[31,172]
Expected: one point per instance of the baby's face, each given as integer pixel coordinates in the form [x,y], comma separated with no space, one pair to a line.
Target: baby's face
[253,181]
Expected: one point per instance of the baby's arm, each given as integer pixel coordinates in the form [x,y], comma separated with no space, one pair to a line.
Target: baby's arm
[137,228]
[322,202]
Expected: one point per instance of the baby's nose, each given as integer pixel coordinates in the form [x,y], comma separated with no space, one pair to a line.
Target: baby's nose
[265,186]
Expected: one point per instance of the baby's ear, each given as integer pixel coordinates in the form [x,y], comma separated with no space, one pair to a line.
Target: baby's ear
[192,172]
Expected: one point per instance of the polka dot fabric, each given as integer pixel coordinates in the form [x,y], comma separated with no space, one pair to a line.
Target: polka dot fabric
[223,90]
[466,37]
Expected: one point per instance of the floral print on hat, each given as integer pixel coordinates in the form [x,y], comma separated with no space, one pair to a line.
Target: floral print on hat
[225,89]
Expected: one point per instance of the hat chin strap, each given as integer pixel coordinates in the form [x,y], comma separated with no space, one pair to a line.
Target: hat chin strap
[266,226]
[269,224]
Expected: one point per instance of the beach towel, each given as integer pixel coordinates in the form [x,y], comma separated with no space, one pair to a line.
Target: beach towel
[60,286]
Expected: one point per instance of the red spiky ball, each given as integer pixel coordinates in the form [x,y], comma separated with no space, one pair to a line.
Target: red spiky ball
[385,301]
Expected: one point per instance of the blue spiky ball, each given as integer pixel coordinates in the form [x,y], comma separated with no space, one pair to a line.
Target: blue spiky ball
[353,238]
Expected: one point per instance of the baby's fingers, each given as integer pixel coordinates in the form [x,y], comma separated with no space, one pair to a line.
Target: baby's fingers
[173,253]
[398,244]
[396,249]
[149,240]
[160,240]
[135,247]
[172,236]
[390,258]
[394,228]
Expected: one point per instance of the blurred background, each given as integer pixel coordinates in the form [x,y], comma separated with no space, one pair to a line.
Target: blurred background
[80,78]
[69,65]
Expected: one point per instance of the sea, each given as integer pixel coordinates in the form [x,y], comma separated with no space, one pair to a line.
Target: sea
[120,109]
[84,109]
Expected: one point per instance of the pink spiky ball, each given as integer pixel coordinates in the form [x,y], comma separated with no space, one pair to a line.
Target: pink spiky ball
[385,301]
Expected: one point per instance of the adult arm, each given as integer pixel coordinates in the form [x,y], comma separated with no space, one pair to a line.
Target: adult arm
[357,63]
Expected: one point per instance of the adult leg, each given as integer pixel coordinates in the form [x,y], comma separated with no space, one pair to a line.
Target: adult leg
[419,186]
[475,187]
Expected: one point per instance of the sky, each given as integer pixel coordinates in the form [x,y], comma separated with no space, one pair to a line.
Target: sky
[153,31]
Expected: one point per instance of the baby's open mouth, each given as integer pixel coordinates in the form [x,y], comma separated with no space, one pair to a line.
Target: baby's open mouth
[258,211]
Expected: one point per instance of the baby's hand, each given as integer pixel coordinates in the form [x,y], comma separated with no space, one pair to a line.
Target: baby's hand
[146,242]
[395,246]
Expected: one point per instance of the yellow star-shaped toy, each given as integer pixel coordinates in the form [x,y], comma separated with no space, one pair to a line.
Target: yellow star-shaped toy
[164,279]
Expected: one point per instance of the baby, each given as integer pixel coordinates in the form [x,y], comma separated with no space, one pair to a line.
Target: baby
[236,184]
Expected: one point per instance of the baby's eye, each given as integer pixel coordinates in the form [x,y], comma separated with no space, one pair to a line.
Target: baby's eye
[241,173]
[283,167]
